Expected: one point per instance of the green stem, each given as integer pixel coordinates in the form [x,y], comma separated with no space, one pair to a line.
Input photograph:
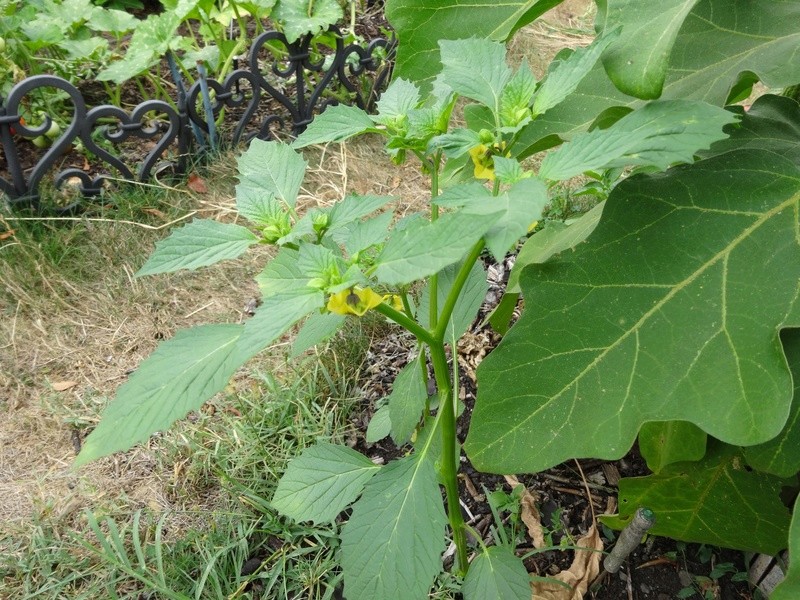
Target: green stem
[455,291]
[422,334]
[433,303]
[449,471]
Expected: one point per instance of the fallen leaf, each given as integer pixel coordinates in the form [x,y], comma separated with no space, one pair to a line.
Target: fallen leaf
[155,212]
[4,235]
[197,184]
[61,386]
[529,513]
[584,569]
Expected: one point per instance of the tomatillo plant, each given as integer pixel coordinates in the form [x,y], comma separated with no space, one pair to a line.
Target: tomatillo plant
[354,257]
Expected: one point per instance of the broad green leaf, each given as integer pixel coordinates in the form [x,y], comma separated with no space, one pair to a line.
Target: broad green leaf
[656,306]
[112,21]
[409,393]
[469,301]
[353,207]
[476,69]
[521,205]
[660,133]
[424,248]
[497,574]
[393,541]
[455,143]
[274,318]
[397,101]
[380,425]
[667,442]
[200,243]
[321,482]
[336,124]
[178,377]
[361,235]
[516,98]
[257,205]
[318,328]
[508,170]
[318,261]
[781,456]
[789,588]
[282,274]
[716,43]
[553,239]
[273,167]
[299,17]
[564,75]
[420,24]
[714,501]
[637,61]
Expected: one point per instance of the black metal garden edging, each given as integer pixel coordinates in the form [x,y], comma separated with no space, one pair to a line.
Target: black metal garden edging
[179,129]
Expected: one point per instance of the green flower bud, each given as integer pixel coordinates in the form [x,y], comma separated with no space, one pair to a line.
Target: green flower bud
[320,222]
[486,136]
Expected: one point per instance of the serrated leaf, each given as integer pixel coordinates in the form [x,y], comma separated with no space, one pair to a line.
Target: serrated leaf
[179,376]
[397,101]
[301,17]
[273,167]
[392,543]
[336,124]
[564,75]
[517,95]
[508,170]
[318,328]
[424,248]
[314,260]
[363,234]
[660,133]
[408,397]
[353,207]
[256,205]
[200,243]
[709,501]
[469,301]
[476,69]
[275,316]
[781,455]
[455,143]
[655,306]
[422,23]
[521,205]
[497,574]
[380,425]
[670,442]
[282,274]
[321,482]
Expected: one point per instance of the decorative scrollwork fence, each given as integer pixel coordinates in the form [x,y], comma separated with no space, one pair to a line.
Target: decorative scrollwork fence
[292,75]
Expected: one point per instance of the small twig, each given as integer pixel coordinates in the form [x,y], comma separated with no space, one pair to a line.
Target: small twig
[630,537]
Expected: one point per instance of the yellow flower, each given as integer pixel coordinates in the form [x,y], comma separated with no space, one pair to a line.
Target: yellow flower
[354,301]
[484,165]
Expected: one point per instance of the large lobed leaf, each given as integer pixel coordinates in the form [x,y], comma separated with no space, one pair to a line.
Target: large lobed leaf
[714,501]
[392,543]
[669,311]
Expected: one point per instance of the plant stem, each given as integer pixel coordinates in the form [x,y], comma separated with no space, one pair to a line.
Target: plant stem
[433,302]
[422,334]
[455,291]
[449,470]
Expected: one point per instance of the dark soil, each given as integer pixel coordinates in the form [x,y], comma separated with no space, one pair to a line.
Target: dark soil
[659,569]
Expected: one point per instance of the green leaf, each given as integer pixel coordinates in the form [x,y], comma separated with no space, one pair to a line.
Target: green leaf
[648,33]
[300,17]
[257,205]
[655,306]
[455,143]
[275,316]
[420,24]
[273,167]
[406,401]
[336,124]
[400,98]
[178,377]
[321,482]
[517,95]
[318,328]
[200,243]
[521,205]
[789,588]
[780,456]
[497,574]
[392,543]
[660,133]
[353,207]
[508,170]
[715,44]
[112,21]
[380,425]
[476,69]
[715,501]
[361,235]
[553,239]
[424,248]
[468,304]
[564,75]
[667,442]
[282,274]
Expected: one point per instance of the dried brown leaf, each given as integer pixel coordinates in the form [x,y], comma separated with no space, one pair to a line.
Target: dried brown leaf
[61,386]
[529,513]
[197,184]
[584,569]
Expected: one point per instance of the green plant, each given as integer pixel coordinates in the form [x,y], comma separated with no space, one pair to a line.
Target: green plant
[341,261]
